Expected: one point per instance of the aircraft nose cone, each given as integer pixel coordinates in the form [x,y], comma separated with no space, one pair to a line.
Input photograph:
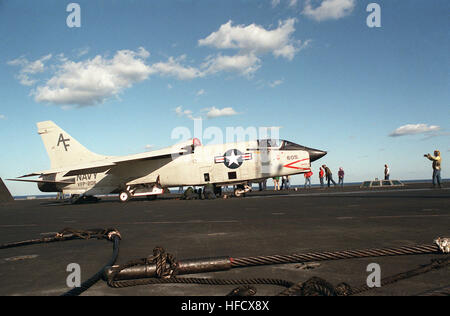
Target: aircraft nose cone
[315,154]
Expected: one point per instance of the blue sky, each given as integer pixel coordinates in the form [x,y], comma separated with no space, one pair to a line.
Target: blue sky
[135,70]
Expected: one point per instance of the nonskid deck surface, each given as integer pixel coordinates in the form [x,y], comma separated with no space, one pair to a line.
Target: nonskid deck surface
[263,223]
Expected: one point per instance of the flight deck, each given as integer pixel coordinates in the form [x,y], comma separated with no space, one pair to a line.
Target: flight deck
[260,224]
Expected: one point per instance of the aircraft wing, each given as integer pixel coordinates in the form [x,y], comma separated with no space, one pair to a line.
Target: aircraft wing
[142,157]
[98,167]
[88,168]
[92,167]
[106,164]
[101,166]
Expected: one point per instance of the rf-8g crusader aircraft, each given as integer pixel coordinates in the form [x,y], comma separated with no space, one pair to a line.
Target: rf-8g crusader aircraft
[77,171]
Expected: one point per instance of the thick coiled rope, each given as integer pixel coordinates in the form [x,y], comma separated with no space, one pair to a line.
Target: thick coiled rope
[313,287]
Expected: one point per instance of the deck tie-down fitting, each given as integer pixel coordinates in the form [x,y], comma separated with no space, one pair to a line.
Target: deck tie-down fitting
[444,244]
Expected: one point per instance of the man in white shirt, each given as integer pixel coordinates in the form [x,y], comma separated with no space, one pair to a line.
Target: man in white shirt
[386,172]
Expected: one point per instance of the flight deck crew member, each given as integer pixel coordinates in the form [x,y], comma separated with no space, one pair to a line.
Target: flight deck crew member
[436,167]
[276,183]
[288,183]
[329,175]
[321,174]
[386,172]
[308,179]
[341,176]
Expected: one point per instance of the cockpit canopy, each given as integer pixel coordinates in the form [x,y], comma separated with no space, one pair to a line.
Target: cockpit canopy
[279,144]
[269,143]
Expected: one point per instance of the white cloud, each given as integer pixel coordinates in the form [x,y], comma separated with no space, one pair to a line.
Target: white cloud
[25,79]
[82,51]
[180,112]
[211,112]
[174,68]
[275,3]
[243,64]
[200,92]
[413,129]
[148,147]
[254,39]
[29,68]
[91,81]
[275,83]
[290,3]
[251,42]
[2,117]
[293,3]
[329,9]
[187,113]
[214,112]
[94,80]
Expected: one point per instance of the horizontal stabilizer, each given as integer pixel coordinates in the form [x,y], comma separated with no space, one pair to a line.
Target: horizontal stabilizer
[30,175]
[43,181]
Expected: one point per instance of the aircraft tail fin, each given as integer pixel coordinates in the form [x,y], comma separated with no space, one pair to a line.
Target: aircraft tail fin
[5,195]
[62,149]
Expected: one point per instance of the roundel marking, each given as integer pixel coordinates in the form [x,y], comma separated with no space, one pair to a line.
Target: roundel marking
[233,159]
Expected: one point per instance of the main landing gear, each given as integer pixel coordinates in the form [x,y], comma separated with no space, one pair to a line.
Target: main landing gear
[81,198]
[124,196]
[241,189]
[151,191]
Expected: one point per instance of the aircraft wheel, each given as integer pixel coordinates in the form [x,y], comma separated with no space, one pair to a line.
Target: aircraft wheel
[152,197]
[124,196]
[218,191]
[74,198]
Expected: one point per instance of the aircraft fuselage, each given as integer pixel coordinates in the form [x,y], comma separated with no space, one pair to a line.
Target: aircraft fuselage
[223,164]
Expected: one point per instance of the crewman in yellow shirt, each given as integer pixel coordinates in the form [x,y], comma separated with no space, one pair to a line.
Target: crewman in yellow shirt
[436,167]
